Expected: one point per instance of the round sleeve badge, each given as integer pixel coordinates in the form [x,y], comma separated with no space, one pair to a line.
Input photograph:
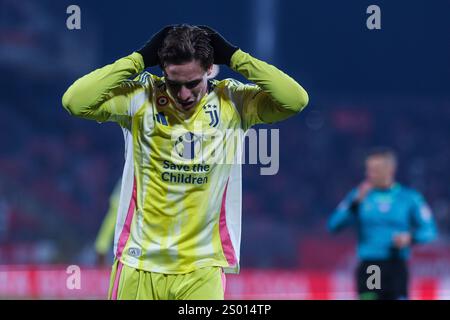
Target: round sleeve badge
[162,101]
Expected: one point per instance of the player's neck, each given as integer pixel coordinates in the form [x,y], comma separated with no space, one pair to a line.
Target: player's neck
[386,185]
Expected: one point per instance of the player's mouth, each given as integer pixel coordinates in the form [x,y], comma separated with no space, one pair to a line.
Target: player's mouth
[187,105]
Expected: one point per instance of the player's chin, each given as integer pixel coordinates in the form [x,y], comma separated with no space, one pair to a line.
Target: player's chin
[186,106]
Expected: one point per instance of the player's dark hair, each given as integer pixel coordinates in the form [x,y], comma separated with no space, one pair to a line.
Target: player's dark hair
[185,43]
[385,152]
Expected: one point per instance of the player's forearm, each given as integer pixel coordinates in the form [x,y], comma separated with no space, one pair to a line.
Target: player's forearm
[424,235]
[90,91]
[285,91]
[339,220]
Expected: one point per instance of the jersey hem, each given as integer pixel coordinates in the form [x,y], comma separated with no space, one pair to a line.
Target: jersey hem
[133,263]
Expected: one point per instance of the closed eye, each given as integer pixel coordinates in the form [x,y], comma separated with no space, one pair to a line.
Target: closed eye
[190,85]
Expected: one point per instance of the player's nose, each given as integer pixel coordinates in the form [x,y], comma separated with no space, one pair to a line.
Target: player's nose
[184,93]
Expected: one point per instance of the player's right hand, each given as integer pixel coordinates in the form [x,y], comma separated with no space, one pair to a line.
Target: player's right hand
[363,189]
[150,50]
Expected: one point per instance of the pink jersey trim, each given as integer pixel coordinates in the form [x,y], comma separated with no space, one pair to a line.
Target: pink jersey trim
[116,281]
[227,246]
[224,281]
[125,234]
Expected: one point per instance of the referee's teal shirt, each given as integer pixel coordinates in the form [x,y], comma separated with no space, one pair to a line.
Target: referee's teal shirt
[382,214]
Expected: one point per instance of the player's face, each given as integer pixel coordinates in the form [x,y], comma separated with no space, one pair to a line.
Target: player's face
[380,171]
[187,83]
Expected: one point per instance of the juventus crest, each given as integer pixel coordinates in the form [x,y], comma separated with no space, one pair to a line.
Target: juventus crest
[213,113]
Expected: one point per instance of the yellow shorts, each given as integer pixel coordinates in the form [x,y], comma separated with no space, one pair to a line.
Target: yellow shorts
[128,283]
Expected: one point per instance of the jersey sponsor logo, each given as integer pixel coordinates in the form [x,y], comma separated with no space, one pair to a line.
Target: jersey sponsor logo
[188,145]
[183,173]
[211,110]
[134,252]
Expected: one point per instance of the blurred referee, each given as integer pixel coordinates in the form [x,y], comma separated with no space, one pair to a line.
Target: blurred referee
[389,219]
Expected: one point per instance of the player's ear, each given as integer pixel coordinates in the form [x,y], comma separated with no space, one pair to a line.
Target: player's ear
[163,69]
[209,70]
[213,71]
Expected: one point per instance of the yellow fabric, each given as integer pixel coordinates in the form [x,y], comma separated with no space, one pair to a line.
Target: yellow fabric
[276,95]
[105,94]
[175,226]
[133,284]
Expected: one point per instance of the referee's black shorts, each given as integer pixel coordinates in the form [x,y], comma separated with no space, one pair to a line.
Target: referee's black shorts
[393,280]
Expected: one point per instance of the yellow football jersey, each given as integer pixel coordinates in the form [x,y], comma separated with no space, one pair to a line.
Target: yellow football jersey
[181,193]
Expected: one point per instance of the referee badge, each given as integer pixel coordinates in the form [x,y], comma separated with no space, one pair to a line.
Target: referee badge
[425,212]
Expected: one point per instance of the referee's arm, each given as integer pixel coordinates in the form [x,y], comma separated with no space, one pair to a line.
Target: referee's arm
[424,225]
[344,215]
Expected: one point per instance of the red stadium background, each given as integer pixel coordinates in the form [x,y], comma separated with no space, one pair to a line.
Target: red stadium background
[324,279]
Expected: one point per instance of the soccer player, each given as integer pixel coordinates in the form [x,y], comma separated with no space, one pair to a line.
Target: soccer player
[389,219]
[179,220]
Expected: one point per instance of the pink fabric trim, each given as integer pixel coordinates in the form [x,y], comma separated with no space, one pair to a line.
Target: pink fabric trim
[116,281]
[125,234]
[224,281]
[227,245]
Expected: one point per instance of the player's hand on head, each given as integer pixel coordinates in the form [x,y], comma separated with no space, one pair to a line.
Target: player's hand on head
[223,50]
[363,189]
[150,50]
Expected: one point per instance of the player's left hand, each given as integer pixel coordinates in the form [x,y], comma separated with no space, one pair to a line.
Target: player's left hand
[223,50]
[402,240]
